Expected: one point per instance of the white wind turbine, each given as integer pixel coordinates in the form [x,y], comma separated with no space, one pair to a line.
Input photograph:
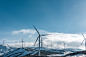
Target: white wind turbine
[64,44]
[42,42]
[84,40]
[22,42]
[39,38]
[3,41]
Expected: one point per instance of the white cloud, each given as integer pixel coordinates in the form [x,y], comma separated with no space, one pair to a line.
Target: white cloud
[24,31]
[55,38]
[26,44]
[30,36]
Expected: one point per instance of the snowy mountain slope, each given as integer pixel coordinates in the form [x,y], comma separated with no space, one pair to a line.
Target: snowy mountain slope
[19,52]
[65,52]
[73,54]
[37,48]
[5,49]
[78,55]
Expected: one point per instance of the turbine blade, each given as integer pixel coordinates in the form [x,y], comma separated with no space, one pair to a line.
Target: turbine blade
[36,29]
[82,42]
[83,35]
[44,34]
[36,40]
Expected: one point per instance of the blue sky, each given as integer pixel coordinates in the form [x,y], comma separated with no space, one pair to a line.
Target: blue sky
[57,15]
[62,16]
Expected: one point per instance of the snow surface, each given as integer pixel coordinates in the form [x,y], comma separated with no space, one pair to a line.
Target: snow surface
[34,52]
[66,51]
[19,52]
[6,49]
[55,55]
[37,48]
[25,53]
[78,55]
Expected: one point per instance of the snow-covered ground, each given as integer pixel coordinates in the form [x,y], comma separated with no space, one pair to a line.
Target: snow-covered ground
[6,50]
[78,55]
[37,48]
[19,52]
[66,51]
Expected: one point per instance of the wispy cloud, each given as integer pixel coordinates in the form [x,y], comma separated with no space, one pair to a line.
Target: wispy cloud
[26,44]
[24,31]
[55,38]
[72,40]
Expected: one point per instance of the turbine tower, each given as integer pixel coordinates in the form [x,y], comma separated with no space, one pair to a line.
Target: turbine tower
[39,38]
[84,40]
[22,42]
[41,43]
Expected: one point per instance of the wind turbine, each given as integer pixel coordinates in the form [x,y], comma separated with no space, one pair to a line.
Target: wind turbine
[22,42]
[84,40]
[24,45]
[3,41]
[64,44]
[39,38]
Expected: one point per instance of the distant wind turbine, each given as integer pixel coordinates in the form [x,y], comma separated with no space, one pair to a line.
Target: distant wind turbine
[3,41]
[39,38]
[64,44]
[22,42]
[42,42]
[84,40]
[24,45]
